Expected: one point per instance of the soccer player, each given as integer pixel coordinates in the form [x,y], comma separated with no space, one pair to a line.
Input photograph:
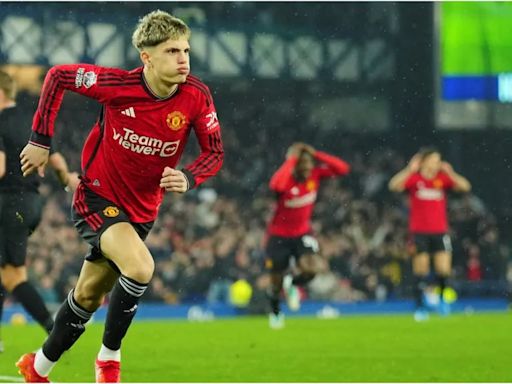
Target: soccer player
[128,162]
[20,204]
[296,184]
[426,179]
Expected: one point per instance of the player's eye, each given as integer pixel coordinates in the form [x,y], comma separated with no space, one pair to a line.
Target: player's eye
[174,51]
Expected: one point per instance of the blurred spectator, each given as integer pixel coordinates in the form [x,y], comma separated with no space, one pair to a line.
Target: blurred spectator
[474,269]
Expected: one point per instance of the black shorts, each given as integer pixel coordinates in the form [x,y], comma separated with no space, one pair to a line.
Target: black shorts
[280,249]
[92,215]
[20,213]
[427,243]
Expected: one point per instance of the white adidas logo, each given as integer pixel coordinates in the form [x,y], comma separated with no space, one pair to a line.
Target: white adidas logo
[129,112]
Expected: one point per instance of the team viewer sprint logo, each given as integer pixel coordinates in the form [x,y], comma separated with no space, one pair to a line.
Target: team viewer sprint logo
[145,145]
[176,120]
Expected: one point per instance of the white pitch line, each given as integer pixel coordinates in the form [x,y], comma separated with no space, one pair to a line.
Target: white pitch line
[11,379]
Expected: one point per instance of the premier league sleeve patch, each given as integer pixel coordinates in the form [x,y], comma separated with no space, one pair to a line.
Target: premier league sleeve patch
[89,79]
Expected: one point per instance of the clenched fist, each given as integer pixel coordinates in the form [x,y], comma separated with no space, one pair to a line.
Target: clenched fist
[33,158]
[173,180]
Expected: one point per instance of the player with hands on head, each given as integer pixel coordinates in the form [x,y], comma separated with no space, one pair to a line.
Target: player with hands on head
[426,179]
[289,232]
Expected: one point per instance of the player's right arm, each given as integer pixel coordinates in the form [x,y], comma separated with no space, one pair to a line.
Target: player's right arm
[84,79]
[398,183]
[281,178]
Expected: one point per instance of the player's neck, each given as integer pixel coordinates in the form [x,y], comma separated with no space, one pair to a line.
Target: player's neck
[428,174]
[156,86]
[301,176]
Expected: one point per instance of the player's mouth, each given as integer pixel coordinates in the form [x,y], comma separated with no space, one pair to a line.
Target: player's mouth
[183,70]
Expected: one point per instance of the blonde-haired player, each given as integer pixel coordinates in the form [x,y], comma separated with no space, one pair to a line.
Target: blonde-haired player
[128,162]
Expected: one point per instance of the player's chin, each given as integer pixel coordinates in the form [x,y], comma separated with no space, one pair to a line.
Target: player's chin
[180,78]
[174,79]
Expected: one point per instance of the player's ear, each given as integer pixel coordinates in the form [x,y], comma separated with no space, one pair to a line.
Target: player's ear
[145,57]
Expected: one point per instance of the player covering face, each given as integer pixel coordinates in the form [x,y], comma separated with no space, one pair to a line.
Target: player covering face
[129,161]
[296,184]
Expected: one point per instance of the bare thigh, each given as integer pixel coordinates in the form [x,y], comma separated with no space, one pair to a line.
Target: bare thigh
[12,276]
[121,244]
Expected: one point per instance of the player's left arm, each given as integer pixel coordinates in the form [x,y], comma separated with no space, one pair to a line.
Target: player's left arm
[333,165]
[208,163]
[458,182]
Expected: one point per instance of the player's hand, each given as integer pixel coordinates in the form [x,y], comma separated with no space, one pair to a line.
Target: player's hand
[414,163]
[73,181]
[173,180]
[294,150]
[33,158]
[308,148]
[447,168]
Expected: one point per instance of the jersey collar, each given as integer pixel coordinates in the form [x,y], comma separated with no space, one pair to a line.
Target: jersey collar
[149,91]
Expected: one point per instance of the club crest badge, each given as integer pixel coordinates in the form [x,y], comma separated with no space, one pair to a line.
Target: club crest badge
[111,211]
[438,184]
[176,120]
[311,185]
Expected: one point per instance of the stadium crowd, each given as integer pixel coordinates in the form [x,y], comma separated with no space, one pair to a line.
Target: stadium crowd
[209,238]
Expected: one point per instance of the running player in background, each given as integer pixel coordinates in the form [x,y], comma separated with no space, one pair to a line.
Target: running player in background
[20,204]
[296,183]
[128,162]
[426,179]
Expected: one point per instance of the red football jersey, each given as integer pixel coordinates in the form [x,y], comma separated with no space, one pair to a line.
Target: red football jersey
[296,199]
[137,135]
[428,203]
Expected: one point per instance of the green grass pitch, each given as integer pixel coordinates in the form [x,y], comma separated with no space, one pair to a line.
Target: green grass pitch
[458,348]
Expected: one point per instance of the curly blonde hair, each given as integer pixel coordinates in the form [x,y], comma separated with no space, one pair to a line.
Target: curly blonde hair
[157,27]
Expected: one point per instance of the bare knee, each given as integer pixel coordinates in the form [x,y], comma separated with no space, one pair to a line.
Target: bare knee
[12,276]
[443,271]
[122,245]
[141,268]
[421,264]
[443,264]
